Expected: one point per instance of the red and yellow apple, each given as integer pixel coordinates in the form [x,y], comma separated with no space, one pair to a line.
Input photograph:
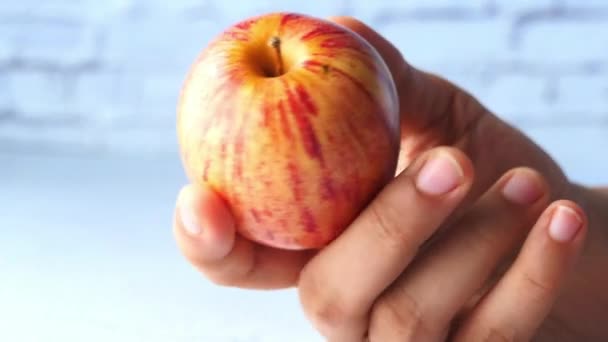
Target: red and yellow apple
[294,121]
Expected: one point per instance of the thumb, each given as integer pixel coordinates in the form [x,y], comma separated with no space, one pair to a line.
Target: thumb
[203,225]
[206,234]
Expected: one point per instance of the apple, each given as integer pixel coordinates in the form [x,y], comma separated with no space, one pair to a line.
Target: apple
[294,122]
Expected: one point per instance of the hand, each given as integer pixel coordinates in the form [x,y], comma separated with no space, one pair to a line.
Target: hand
[379,279]
[378,282]
[434,113]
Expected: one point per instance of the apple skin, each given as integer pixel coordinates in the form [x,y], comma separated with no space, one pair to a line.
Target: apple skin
[294,122]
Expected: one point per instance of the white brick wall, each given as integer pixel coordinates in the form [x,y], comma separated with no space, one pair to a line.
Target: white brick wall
[583,93]
[563,40]
[6,102]
[105,74]
[517,8]
[38,96]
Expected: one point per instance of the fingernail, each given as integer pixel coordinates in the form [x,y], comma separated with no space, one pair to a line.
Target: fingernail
[522,188]
[564,225]
[439,175]
[187,217]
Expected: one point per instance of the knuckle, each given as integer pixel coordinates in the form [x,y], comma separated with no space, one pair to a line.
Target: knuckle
[327,316]
[385,218]
[401,318]
[538,288]
[326,310]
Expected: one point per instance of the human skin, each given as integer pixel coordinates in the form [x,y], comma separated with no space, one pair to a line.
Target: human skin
[437,118]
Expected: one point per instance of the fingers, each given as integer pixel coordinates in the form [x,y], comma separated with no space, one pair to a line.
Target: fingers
[339,285]
[520,301]
[205,234]
[421,304]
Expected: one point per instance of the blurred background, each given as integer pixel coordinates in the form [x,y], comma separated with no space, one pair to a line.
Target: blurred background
[89,168]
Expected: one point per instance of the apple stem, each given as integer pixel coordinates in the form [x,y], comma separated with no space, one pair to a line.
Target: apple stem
[275,42]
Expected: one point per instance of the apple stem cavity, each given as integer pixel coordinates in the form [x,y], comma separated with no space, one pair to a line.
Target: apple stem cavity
[275,43]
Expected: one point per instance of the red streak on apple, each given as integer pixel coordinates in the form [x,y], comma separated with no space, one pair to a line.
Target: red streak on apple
[358,84]
[307,134]
[245,24]
[338,43]
[294,122]
[309,222]
[327,188]
[284,119]
[305,99]
[295,180]
[322,31]
[237,35]
[287,17]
